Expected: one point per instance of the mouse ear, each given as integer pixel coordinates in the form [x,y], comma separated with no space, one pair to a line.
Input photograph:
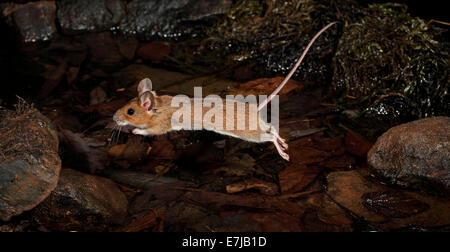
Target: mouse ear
[144,86]
[147,101]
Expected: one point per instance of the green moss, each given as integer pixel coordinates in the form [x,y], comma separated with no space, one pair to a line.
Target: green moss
[392,63]
[254,21]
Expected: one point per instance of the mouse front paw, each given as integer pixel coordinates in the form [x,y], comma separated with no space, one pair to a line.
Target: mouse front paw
[140,132]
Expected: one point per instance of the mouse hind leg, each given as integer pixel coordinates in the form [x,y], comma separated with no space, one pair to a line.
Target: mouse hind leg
[280,143]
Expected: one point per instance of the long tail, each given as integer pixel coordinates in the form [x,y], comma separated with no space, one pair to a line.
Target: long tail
[299,61]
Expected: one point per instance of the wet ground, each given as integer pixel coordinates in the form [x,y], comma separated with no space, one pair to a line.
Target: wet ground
[112,180]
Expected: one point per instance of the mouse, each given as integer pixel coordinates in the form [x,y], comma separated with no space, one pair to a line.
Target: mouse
[151,114]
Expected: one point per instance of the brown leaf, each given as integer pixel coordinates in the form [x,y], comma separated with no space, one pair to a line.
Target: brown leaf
[295,177]
[163,148]
[134,150]
[149,220]
[357,144]
[262,186]
[307,155]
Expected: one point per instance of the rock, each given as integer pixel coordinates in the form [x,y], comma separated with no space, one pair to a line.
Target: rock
[77,16]
[370,64]
[385,207]
[415,154]
[35,21]
[347,188]
[29,161]
[154,51]
[82,202]
[169,18]
[106,48]
[394,204]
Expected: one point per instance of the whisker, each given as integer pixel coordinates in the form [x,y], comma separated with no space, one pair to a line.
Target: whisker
[111,138]
[118,134]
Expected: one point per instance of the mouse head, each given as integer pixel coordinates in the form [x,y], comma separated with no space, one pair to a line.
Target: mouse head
[139,110]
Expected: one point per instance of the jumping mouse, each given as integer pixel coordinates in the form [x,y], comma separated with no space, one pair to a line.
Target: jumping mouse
[151,114]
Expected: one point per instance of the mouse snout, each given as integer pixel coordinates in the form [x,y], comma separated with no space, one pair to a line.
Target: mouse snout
[118,118]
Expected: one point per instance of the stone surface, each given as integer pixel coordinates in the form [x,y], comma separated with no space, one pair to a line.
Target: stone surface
[164,18]
[82,202]
[386,208]
[29,161]
[35,21]
[347,189]
[76,16]
[415,154]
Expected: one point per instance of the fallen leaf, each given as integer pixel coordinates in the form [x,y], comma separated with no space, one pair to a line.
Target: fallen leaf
[134,150]
[148,221]
[357,144]
[262,186]
[295,177]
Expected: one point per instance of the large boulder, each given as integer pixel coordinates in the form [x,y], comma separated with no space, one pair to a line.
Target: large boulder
[29,161]
[82,202]
[35,21]
[76,16]
[415,154]
[169,18]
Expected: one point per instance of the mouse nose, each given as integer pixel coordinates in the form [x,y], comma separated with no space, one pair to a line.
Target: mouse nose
[117,118]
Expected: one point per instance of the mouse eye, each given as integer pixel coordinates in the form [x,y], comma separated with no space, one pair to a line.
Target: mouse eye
[130,111]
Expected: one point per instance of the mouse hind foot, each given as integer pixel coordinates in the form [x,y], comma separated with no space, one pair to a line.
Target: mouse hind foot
[280,144]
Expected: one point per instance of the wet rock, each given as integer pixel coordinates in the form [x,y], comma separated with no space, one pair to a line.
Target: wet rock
[76,16]
[395,65]
[387,208]
[415,154]
[347,188]
[106,48]
[168,18]
[29,161]
[82,202]
[393,204]
[35,21]
[250,33]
